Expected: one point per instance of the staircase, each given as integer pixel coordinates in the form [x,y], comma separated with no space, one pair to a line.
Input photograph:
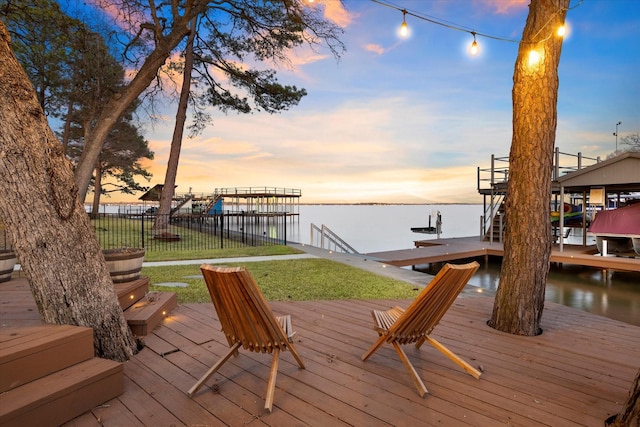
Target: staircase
[144,310]
[48,373]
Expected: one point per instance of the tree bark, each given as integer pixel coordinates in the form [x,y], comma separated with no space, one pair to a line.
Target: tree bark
[630,415]
[168,190]
[519,300]
[47,224]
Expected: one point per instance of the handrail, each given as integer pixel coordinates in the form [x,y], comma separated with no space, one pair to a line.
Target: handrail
[328,236]
[563,163]
[273,191]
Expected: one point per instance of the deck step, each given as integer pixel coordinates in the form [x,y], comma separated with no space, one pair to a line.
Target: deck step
[149,312]
[32,352]
[131,292]
[63,395]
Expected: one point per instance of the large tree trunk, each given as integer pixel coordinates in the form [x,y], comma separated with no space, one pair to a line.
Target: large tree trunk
[527,245]
[47,224]
[630,415]
[168,190]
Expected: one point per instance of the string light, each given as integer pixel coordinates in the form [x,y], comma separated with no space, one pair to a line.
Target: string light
[534,58]
[404,30]
[474,46]
[562,30]
[473,50]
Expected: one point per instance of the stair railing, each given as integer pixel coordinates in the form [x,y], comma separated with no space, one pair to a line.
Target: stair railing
[329,240]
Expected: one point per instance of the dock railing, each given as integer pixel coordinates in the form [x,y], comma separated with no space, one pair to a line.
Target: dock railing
[225,230]
[497,174]
[492,183]
[327,239]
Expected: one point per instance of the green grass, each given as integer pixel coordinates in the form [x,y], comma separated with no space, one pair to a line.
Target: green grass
[114,232]
[172,255]
[290,280]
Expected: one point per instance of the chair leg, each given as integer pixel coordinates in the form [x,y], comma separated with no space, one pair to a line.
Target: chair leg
[213,369]
[374,347]
[422,390]
[451,355]
[271,385]
[293,351]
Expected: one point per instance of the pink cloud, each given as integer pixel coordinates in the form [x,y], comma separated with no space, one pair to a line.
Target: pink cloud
[334,11]
[506,6]
[375,48]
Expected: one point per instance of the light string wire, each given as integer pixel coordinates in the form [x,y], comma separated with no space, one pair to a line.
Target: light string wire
[474,33]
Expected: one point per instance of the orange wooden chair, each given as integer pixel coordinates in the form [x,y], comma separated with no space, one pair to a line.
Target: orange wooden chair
[247,321]
[414,325]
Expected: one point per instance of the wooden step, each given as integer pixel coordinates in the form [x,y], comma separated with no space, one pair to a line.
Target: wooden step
[29,353]
[62,396]
[131,292]
[147,313]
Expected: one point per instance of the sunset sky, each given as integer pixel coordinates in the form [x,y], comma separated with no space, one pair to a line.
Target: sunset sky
[410,120]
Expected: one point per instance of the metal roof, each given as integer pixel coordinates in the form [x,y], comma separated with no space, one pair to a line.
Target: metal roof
[617,174]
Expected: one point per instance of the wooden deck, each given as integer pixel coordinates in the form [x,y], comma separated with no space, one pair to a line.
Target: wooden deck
[577,373]
[443,250]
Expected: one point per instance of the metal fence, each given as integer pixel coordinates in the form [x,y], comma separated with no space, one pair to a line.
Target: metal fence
[191,231]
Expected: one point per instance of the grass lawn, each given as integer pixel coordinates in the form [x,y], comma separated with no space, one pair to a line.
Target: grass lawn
[289,280]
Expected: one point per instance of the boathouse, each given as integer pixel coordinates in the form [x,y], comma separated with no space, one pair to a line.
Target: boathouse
[575,178]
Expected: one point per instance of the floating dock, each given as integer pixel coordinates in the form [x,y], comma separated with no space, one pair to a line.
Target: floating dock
[448,250]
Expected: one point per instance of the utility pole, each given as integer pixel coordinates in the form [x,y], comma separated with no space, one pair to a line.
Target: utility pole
[616,135]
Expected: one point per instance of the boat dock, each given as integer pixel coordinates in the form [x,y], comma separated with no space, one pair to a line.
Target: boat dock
[447,250]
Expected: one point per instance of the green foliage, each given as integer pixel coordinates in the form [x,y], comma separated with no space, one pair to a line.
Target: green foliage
[290,280]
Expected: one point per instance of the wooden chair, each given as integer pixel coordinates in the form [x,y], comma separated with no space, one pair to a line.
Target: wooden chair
[414,325]
[246,321]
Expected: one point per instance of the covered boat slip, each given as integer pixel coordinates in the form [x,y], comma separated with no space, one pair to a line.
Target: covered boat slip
[587,190]
[616,179]
[617,231]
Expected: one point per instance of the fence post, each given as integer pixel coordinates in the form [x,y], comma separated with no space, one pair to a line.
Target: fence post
[142,232]
[221,229]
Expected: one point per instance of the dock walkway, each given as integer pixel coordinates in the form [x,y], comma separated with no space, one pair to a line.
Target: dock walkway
[446,250]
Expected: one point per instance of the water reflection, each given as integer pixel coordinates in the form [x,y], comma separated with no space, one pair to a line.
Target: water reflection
[612,294]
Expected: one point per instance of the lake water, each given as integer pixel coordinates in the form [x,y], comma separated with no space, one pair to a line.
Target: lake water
[374,228]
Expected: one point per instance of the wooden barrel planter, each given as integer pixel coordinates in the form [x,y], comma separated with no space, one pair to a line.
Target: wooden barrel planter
[124,264]
[7,262]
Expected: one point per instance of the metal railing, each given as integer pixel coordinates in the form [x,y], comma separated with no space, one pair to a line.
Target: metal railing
[563,163]
[327,239]
[190,231]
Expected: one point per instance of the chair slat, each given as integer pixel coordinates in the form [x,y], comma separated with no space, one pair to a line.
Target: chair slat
[413,325]
[247,320]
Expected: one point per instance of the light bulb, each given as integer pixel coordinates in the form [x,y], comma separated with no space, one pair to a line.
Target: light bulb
[404,30]
[562,30]
[534,58]
[474,46]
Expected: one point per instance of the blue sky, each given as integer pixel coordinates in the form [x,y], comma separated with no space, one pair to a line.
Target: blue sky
[410,120]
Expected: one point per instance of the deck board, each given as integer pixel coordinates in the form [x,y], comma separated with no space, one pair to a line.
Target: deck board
[577,372]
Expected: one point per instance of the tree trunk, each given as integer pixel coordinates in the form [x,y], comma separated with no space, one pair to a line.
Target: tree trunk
[630,415]
[119,103]
[47,224]
[168,190]
[519,300]
[97,192]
